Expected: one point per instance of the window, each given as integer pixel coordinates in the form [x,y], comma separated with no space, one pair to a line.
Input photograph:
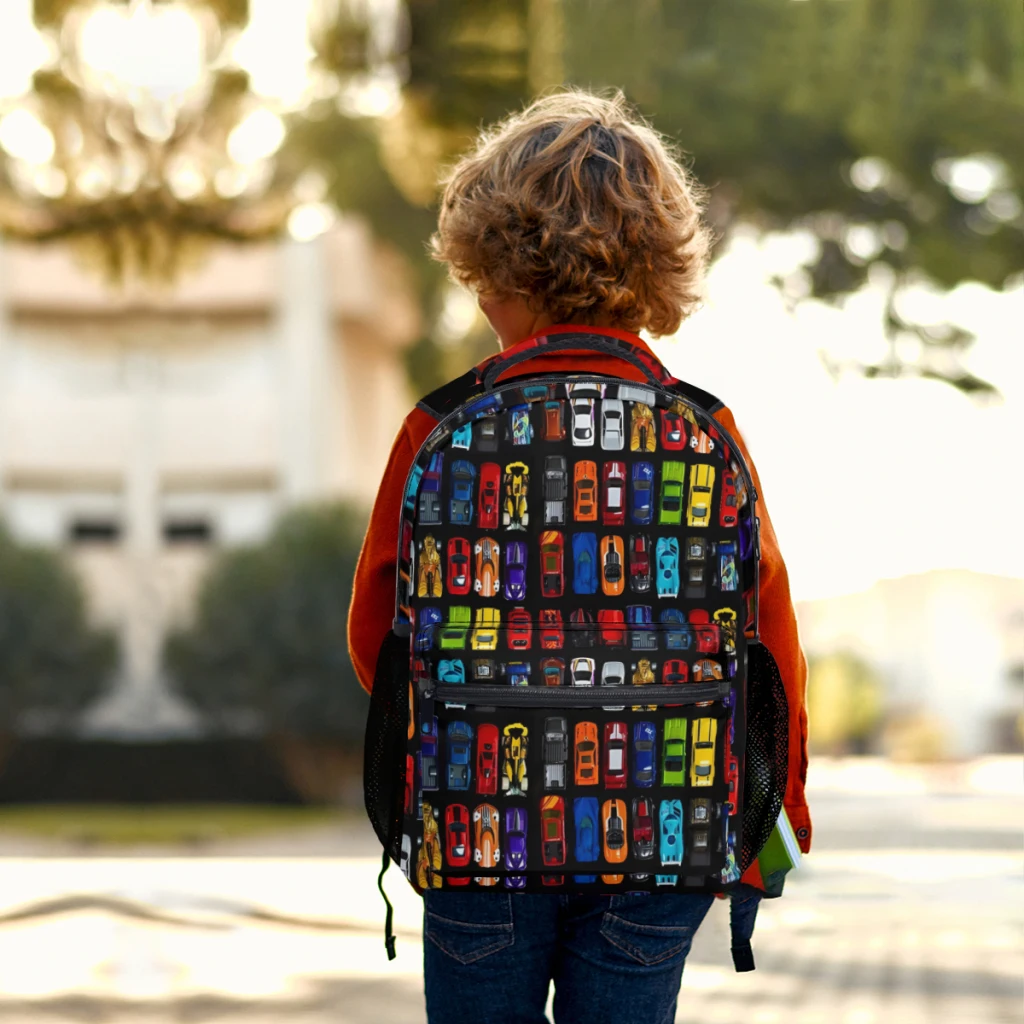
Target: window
[187,531]
[94,530]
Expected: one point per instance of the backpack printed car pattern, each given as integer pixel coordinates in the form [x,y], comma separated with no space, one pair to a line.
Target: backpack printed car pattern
[577,589]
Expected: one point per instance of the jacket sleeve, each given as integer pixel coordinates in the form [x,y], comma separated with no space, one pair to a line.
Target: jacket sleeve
[778,628]
[373,591]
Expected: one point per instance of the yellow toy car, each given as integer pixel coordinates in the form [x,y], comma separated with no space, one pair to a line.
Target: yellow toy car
[703,732]
[428,860]
[702,480]
[428,577]
[514,742]
[486,624]
[641,433]
[514,515]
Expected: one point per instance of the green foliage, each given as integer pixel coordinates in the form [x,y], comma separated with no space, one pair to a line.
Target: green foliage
[269,636]
[844,703]
[52,663]
[780,103]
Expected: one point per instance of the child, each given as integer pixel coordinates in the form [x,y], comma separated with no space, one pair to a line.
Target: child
[571,215]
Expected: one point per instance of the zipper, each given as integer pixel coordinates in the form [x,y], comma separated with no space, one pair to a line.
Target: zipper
[404,628]
[576,696]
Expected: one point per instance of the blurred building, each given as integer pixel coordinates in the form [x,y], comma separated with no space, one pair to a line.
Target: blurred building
[140,431]
[948,644]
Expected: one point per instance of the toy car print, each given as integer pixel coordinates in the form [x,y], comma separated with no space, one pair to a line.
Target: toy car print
[554,421]
[613,673]
[518,673]
[706,670]
[613,437]
[707,632]
[488,498]
[462,436]
[520,630]
[486,624]
[667,561]
[674,672]
[552,671]
[585,491]
[615,735]
[428,620]
[642,636]
[515,846]
[583,422]
[487,435]
[486,840]
[428,861]
[515,571]
[520,429]
[613,820]
[460,742]
[696,564]
[640,511]
[678,635]
[585,815]
[429,573]
[582,671]
[727,507]
[611,627]
[487,759]
[552,831]
[613,502]
[451,671]
[643,828]
[639,563]
[459,579]
[452,635]
[645,735]
[428,754]
[702,480]
[513,767]
[456,827]
[430,492]
[641,431]
[612,565]
[552,571]
[673,772]
[670,840]
[702,761]
[556,489]
[405,861]
[670,506]
[586,754]
[556,752]
[461,504]
[552,636]
[488,581]
[673,431]
[584,563]
[581,621]
[515,514]
[484,670]
[728,577]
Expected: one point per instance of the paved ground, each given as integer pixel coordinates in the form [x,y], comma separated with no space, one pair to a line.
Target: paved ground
[909,911]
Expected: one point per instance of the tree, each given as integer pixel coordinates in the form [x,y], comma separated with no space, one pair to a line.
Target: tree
[52,662]
[267,647]
[892,129]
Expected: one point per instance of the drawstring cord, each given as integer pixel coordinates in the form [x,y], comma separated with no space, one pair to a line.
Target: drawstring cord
[389,935]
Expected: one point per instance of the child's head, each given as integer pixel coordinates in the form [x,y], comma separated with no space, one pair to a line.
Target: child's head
[578,209]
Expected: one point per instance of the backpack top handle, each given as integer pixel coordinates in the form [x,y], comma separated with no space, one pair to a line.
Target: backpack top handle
[608,345]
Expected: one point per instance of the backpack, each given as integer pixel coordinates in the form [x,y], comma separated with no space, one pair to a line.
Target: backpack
[574,696]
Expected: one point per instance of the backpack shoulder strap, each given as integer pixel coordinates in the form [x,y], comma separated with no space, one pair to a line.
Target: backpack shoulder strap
[707,401]
[450,396]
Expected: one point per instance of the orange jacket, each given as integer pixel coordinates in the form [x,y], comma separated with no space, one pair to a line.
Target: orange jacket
[373,596]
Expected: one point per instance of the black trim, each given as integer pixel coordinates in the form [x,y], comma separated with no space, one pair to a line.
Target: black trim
[448,397]
[707,401]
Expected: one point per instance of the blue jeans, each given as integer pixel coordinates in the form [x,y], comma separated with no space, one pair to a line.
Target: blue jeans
[488,957]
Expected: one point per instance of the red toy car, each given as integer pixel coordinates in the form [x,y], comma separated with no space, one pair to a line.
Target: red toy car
[520,630]
[552,671]
[552,635]
[639,563]
[674,671]
[457,846]
[612,625]
[643,827]
[489,503]
[732,778]
[487,759]
[615,762]
[613,494]
[708,633]
[459,576]
[673,431]
[552,563]
[727,509]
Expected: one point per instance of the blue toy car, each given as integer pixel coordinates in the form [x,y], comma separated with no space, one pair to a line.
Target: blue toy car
[460,748]
[666,879]
[518,673]
[643,483]
[642,636]
[482,406]
[462,437]
[586,820]
[461,505]
[585,879]
[515,846]
[584,563]
[413,486]
[520,428]
[515,571]
[667,559]
[679,635]
[428,622]
[451,670]
[670,839]
[428,754]
[535,391]
[430,491]
[728,577]
[645,736]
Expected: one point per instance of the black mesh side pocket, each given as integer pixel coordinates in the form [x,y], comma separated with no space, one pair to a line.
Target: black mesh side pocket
[767,751]
[384,750]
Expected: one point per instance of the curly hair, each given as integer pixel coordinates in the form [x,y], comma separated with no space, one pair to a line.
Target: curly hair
[577,205]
